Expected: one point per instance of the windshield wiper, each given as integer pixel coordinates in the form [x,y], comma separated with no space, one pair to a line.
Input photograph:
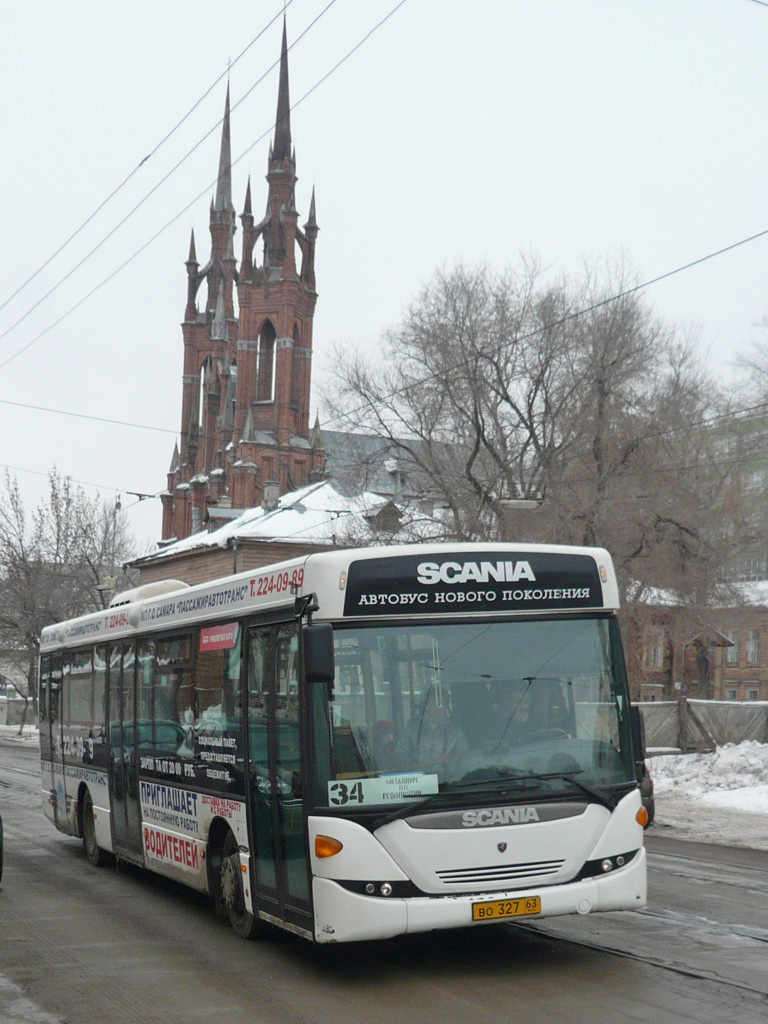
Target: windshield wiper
[502,772]
[607,801]
[495,773]
[491,773]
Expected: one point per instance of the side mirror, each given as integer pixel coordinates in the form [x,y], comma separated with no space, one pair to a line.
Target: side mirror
[317,650]
[638,738]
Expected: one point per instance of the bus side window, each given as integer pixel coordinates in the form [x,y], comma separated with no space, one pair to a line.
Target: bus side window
[66,672]
[80,688]
[99,689]
[217,678]
[54,688]
[144,710]
[45,671]
[174,696]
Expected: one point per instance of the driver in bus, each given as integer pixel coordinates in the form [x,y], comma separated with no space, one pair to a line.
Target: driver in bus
[435,741]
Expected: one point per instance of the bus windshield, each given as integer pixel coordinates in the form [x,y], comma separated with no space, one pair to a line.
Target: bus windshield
[419,710]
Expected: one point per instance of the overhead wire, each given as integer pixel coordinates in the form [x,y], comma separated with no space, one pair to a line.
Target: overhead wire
[190,204]
[346,415]
[158,184]
[742,415]
[82,483]
[420,381]
[141,163]
[728,461]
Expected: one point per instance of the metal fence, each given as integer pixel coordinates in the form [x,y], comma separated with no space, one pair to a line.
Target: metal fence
[702,725]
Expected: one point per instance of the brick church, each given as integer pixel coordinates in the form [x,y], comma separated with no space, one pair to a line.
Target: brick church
[245,431]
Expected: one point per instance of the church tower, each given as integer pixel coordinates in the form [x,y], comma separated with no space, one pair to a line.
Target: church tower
[246,377]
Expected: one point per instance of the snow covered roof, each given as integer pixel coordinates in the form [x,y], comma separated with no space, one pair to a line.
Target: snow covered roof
[316,514]
[755,592]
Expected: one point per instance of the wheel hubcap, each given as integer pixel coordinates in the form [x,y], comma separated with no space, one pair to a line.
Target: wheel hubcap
[230,884]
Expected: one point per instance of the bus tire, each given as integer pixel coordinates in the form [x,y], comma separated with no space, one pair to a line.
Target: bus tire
[231,894]
[93,851]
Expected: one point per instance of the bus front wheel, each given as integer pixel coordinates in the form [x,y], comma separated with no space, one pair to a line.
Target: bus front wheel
[245,924]
[93,851]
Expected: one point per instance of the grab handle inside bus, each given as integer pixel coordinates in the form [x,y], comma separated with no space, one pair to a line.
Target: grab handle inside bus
[317,642]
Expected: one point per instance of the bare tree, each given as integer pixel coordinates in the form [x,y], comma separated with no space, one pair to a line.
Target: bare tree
[498,387]
[63,560]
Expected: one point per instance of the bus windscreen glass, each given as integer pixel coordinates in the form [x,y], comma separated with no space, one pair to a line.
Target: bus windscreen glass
[417,710]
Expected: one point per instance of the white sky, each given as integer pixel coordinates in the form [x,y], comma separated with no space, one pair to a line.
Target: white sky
[457,132]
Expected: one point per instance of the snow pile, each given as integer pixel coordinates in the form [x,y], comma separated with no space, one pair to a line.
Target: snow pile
[715,798]
[734,776]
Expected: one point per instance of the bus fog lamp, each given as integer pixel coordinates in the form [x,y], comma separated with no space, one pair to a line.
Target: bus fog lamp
[386,889]
[370,888]
[620,862]
[606,865]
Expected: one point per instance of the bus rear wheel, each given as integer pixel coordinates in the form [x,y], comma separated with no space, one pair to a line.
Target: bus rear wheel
[231,894]
[93,851]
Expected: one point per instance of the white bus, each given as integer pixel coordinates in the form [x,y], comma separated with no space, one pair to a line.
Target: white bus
[358,744]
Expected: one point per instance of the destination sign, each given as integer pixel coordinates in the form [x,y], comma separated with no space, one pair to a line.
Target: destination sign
[472,582]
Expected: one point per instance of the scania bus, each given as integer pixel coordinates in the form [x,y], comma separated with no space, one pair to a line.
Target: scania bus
[358,744]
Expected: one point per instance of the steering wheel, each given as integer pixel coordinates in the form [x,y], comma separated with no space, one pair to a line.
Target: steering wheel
[549,734]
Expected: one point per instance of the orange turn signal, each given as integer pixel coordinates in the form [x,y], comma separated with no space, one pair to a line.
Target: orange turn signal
[642,817]
[327,847]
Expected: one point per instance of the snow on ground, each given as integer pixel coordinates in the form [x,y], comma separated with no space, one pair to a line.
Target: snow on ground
[720,797]
[29,735]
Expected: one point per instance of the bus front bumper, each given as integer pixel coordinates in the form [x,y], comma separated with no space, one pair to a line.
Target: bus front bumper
[344,916]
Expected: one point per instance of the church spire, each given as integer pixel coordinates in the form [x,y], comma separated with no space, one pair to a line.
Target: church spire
[192,258]
[312,219]
[281,150]
[223,200]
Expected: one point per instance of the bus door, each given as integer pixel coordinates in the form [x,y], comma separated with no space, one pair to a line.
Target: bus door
[123,751]
[55,739]
[276,808]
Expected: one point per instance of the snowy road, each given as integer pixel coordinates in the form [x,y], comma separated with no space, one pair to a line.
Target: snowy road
[79,944]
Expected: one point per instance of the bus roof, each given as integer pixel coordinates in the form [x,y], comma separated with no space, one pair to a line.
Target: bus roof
[402,580]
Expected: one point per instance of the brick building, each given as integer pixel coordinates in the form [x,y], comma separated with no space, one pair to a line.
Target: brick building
[722,656]
[248,350]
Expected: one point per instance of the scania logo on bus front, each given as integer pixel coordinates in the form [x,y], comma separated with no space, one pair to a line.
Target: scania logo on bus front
[499,816]
[474,572]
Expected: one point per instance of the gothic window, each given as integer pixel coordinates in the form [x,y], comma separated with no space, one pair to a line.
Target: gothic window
[298,370]
[205,372]
[265,364]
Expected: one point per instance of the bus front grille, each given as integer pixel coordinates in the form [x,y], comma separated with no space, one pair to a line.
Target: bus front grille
[499,873]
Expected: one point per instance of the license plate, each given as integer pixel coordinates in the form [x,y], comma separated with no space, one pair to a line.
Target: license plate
[495,909]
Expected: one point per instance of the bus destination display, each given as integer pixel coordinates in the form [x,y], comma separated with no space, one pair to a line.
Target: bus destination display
[488,581]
